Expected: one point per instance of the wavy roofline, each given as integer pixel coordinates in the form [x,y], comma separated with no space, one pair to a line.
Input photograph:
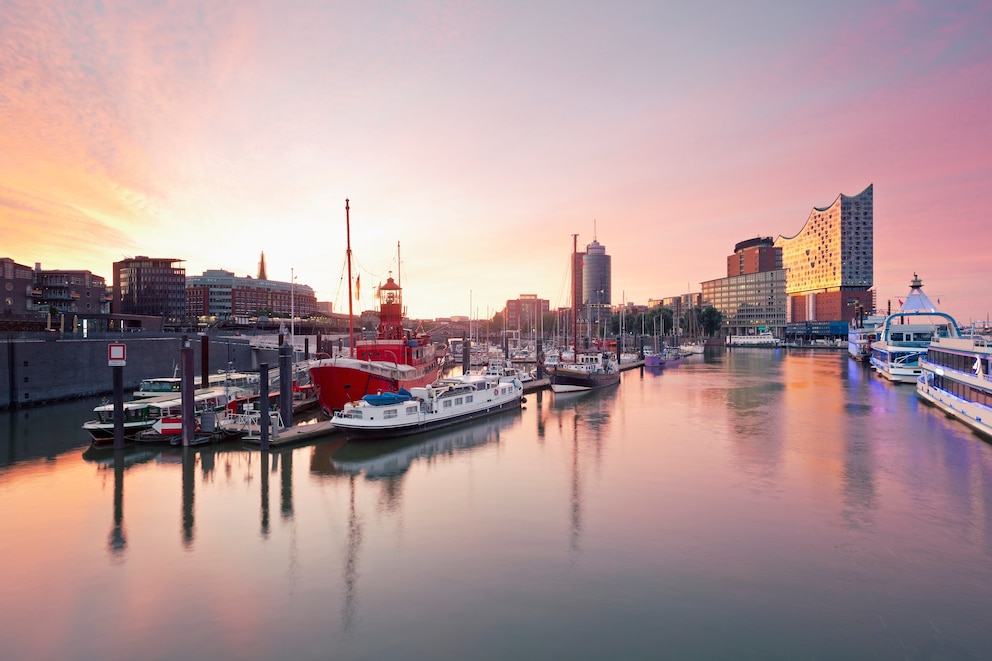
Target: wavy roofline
[821,210]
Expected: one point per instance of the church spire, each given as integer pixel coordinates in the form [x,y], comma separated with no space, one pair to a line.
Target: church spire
[261,268]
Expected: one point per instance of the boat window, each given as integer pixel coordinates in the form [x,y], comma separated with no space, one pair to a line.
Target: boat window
[469,399]
[411,410]
[389,413]
[458,401]
[447,403]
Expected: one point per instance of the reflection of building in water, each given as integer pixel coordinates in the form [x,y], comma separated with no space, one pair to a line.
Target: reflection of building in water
[589,414]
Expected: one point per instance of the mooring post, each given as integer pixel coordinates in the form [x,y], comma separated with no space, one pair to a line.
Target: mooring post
[187,388]
[204,361]
[286,384]
[263,405]
[118,407]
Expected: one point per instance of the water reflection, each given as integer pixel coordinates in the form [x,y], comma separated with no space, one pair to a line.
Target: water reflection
[44,431]
[389,460]
[118,541]
[584,419]
[787,497]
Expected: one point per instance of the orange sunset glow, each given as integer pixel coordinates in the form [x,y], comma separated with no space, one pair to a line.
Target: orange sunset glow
[481,136]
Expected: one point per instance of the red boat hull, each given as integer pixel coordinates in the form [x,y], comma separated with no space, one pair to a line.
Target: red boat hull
[342,380]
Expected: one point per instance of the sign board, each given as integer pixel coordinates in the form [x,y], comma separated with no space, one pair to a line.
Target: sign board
[116,355]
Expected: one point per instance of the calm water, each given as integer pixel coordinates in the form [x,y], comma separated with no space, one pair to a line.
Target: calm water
[746,504]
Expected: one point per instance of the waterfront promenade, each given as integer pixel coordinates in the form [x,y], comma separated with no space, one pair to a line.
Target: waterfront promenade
[745,504]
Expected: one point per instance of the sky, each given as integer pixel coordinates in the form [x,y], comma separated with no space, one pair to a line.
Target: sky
[475,138]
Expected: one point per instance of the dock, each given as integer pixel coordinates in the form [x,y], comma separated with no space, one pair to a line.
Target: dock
[302,433]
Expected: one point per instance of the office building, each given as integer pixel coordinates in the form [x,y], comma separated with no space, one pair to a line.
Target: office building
[154,287]
[219,294]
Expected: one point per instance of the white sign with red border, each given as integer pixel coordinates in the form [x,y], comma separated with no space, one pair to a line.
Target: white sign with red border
[116,355]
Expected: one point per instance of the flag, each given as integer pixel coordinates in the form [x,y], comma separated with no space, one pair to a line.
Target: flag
[358,286]
[938,300]
[900,301]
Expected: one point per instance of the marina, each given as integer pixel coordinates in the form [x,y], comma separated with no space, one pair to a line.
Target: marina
[793,504]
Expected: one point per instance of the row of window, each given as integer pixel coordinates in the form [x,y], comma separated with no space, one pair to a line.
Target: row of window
[964,391]
[956,361]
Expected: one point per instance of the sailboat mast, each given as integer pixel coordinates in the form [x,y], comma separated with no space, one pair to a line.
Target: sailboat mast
[399,278]
[575,309]
[351,313]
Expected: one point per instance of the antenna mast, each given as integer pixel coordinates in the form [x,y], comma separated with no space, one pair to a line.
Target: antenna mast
[351,314]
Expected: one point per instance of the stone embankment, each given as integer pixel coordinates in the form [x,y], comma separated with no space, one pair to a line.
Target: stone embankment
[39,371]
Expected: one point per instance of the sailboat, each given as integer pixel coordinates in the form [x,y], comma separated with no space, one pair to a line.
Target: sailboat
[691,344]
[587,370]
[396,358]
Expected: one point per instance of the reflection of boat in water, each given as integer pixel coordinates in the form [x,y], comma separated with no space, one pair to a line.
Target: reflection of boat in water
[394,457]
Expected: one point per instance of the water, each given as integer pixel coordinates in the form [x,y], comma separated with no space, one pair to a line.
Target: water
[746,504]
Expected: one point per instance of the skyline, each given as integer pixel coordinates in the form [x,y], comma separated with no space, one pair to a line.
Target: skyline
[481,136]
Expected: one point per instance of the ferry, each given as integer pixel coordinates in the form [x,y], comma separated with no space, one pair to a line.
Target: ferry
[443,403]
[860,336]
[955,378]
[905,335]
[762,339]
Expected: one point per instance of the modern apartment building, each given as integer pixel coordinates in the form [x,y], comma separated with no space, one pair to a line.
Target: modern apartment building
[70,292]
[153,287]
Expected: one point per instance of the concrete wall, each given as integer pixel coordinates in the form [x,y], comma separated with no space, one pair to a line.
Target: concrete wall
[41,371]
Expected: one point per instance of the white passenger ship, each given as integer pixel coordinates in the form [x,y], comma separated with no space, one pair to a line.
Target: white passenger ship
[762,339]
[905,335]
[956,379]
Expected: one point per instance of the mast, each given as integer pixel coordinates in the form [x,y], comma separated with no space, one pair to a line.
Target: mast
[399,279]
[575,314]
[351,314]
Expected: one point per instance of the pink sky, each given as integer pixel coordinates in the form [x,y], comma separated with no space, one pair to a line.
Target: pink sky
[482,135]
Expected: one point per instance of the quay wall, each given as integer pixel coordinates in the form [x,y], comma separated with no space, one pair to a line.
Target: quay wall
[39,371]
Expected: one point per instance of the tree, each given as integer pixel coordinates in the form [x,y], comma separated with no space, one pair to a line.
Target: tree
[710,320]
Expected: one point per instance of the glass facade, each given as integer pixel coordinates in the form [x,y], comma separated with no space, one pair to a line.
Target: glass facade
[749,303]
[596,283]
[835,248]
[151,287]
